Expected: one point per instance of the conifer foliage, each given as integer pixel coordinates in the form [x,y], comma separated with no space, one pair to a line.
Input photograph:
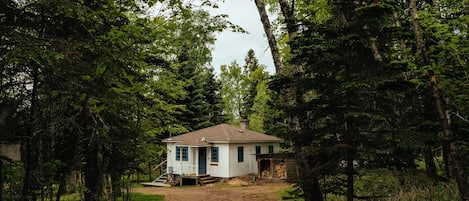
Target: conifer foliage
[366,84]
[93,86]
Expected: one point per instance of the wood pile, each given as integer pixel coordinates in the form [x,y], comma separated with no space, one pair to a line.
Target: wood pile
[280,170]
[265,173]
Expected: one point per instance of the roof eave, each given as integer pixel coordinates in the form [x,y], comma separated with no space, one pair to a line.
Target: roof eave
[170,140]
[245,141]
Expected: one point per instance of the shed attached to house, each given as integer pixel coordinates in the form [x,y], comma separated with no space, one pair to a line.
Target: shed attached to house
[278,166]
[223,151]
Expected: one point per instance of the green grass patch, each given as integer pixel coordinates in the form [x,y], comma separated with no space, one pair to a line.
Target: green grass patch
[386,185]
[143,197]
[289,194]
[133,197]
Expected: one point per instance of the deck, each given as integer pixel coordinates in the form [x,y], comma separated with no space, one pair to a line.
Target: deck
[156,184]
[201,179]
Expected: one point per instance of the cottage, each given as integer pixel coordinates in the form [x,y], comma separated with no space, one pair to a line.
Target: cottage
[223,151]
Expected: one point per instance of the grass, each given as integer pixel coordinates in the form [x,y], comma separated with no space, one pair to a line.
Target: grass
[286,194]
[387,185]
[143,197]
[133,197]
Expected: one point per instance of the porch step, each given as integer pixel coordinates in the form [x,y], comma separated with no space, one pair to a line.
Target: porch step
[162,181]
[207,179]
[158,184]
[163,178]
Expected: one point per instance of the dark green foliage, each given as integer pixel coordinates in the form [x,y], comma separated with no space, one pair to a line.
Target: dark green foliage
[201,99]
[359,97]
[91,88]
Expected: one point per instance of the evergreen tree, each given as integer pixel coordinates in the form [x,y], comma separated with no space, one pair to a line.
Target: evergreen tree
[94,83]
[213,98]
[233,91]
[196,34]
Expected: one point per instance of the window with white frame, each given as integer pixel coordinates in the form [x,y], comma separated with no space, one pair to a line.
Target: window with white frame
[182,152]
[214,154]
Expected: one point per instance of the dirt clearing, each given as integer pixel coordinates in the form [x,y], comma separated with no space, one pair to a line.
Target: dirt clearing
[234,190]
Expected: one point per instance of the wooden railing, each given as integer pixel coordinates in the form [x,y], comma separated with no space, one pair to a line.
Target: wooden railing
[159,165]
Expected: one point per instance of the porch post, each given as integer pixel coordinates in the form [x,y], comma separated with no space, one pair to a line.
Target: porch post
[271,168]
[197,156]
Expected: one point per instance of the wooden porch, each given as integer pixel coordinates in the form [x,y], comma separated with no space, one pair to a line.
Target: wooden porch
[201,179]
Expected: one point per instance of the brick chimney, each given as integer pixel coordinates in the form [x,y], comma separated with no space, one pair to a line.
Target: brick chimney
[244,124]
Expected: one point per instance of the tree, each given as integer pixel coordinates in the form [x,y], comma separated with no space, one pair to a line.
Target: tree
[212,89]
[233,91]
[100,77]
[424,60]
[256,99]
[196,34]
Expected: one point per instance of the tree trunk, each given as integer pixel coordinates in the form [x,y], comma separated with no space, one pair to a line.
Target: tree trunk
[270,36]
[402,46]
[312,191]
[149,171]
[446,162]
[418,32]
[1,179]
[62,188]
[72,182]
[290,21]
[453,152]
[429,163]
[349,155]
[348,126]
[30,158]
[374,46]
[454,157]
[116,185]
[93,179]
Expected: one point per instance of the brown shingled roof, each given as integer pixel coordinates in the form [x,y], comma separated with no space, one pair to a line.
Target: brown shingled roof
[222,133]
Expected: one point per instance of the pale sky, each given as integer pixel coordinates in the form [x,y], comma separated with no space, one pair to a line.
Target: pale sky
[234,46]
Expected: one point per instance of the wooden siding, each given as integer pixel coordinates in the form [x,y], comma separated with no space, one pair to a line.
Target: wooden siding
[277,166]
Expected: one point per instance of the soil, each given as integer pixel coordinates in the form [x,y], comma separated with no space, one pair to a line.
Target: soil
[237,189]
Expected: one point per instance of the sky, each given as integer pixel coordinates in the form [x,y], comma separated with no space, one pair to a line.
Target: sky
[231,46]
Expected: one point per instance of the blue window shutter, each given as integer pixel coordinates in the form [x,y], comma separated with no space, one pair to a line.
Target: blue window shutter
[178,153]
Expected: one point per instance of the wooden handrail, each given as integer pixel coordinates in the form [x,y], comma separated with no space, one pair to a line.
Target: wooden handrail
[159,165]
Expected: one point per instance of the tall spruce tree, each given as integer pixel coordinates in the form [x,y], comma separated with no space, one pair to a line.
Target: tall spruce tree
[103,84]
[338,91]
[196,36]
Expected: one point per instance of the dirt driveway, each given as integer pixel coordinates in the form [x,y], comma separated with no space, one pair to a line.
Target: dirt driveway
[259,191]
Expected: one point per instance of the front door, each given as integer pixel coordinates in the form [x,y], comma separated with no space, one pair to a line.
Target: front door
[202,160]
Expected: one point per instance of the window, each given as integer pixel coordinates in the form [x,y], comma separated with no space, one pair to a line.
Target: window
[185,156]
[240,154]
[258,150]
[178,153]
[182,152]
[271,149]
[214,152]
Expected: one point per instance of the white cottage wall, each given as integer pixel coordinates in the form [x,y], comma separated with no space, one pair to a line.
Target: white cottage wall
[227,165]
[249,164]
[180,166]
[220,168]
[265,147]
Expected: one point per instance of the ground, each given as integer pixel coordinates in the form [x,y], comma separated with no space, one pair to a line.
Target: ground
[237,189]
